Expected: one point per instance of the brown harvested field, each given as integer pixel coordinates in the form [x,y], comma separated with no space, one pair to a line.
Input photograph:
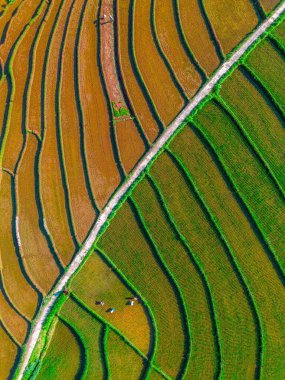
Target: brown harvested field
[14,281]
[51,187]
[155,75]
[98,282]
[34,101]
[34,248]
[18,21]
[268,5]
[14,125]
[197,35]
[231,20]
[123,360]
[139,103]
[83,214]
[104,175]
[126,133]
[129,142]
[168,37]
[10,11]
[248,250]
[8,352]
[3,97]
[14,323]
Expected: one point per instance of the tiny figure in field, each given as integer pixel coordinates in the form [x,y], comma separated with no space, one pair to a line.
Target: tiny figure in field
[100,303]
[112,310]
[111,18]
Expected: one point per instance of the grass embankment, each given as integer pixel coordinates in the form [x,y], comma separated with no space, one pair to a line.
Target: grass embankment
[90,333]
[64,354]
[246,247]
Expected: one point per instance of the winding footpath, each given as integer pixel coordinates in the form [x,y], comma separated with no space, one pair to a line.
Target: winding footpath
[140,167]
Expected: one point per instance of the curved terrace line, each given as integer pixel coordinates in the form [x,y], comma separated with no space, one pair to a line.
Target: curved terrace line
[134,176]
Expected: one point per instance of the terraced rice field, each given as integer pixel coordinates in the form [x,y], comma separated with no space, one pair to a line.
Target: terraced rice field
[187,280]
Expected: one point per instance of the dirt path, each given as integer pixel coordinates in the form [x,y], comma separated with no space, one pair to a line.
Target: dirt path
[107,51]
[140,167]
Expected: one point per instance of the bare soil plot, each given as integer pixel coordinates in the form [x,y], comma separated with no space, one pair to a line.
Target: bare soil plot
[155,75]
[103,171]
[231,21]
[248,249]
[125,245]
[138,101]
[197,34]
[168,38]
[97,282]
[14,277]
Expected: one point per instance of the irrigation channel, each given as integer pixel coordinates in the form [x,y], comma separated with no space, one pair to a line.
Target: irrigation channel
[119,194]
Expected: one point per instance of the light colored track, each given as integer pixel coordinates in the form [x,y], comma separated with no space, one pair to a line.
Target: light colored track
[140,167]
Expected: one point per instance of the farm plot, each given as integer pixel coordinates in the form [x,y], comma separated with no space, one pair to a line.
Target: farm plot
[13,275]
[140,107]
[233,320]
[268,65]
[165,31]
[264,130]
[64,353]
[53,193]
[251,181]
[8,353]
[247,248]
[268,5]
[98,283]
[154,73]
[197,34]
[136,257]
[101,164]
[279,32]
[230,21]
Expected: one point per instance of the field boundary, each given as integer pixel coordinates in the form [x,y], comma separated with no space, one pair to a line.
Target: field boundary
[134,176]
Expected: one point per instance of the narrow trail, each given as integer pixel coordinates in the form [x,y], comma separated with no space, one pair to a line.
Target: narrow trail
[140,167]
